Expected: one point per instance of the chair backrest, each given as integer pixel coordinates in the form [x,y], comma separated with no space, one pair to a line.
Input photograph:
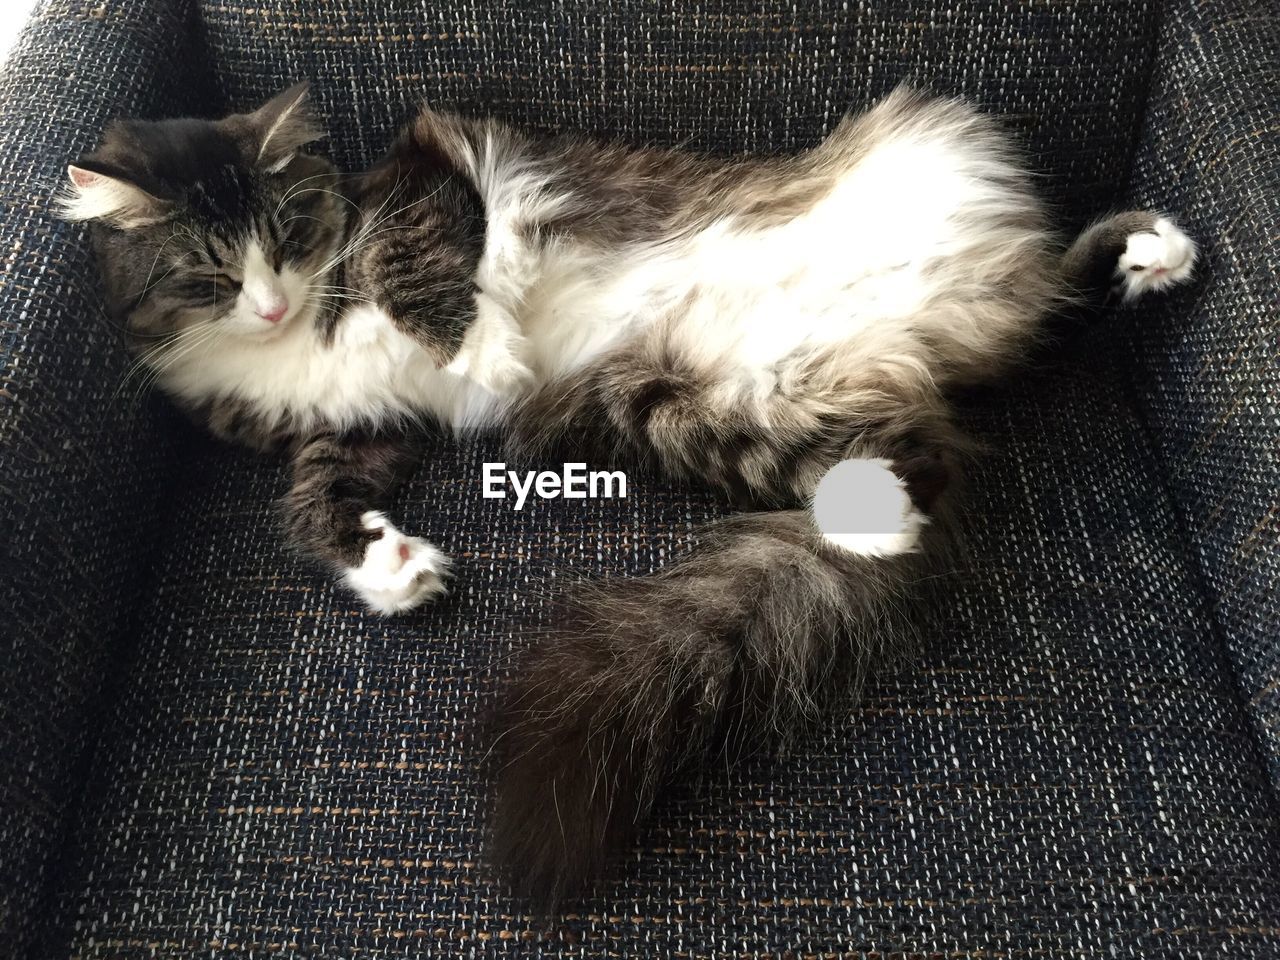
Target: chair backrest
[724,75]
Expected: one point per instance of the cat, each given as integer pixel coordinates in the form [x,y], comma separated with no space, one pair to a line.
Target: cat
[748,323]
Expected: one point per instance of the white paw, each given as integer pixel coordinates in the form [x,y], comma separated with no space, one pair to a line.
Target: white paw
[398,572]
[492,351]
[501,373]
[1155,261]
[862,506]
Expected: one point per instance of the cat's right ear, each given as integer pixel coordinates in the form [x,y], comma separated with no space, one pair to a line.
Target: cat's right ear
[97,191]
[284,125]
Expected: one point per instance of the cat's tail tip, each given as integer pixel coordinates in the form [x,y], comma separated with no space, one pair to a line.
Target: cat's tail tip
[567,761]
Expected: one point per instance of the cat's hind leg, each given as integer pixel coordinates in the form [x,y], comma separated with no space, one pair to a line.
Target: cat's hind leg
[1130,253]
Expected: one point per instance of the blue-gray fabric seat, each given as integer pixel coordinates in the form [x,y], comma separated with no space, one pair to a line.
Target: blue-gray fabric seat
[209,750]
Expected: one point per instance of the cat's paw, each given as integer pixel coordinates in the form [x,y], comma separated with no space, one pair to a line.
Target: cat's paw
[1155,260]
[398,572]
[501,373]
[493,352]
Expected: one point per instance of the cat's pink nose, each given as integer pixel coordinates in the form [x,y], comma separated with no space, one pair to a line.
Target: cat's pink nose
[274,312]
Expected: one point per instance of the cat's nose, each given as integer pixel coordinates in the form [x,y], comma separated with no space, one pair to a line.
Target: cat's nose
[274,311]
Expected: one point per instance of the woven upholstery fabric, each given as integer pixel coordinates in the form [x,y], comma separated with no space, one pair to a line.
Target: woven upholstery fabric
[1207,365]
[84,469]
[725,75]
[1068,773]
[208,750]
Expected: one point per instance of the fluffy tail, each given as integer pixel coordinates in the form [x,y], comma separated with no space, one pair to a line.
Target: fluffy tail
[734,649]
[737,647]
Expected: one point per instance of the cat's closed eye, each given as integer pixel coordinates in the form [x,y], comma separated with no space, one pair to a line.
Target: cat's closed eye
[225,282]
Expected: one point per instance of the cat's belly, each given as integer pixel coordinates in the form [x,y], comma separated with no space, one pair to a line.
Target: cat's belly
[915,226]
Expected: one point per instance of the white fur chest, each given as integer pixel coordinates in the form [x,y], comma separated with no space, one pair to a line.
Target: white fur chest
[370,373]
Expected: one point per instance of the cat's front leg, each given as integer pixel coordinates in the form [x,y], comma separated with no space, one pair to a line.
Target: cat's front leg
[332,512]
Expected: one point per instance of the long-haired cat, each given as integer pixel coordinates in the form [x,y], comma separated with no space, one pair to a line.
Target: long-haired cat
[747,323]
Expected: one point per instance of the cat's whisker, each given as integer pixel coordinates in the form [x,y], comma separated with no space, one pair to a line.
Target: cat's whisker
[176,356]
[295,192]
[159,280]
[362,235]
[180,231]
[407,226]
[341,298]
[330,286]
[365,238]
[332,193]
[335,299]
[178,338]
[147,283]
[408,206]
[344,252]
[334,287]
[341,294]
[173,357]
[288,195]
[150,358]
[140,363]
[301,216]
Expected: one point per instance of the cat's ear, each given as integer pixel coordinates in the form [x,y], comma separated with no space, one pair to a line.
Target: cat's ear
[100,191]
[284,124]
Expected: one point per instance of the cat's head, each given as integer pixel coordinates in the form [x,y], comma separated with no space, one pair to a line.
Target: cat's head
[222,224]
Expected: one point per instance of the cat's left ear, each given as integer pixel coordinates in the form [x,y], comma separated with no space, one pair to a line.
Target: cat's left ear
[99,190]
[284,125]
